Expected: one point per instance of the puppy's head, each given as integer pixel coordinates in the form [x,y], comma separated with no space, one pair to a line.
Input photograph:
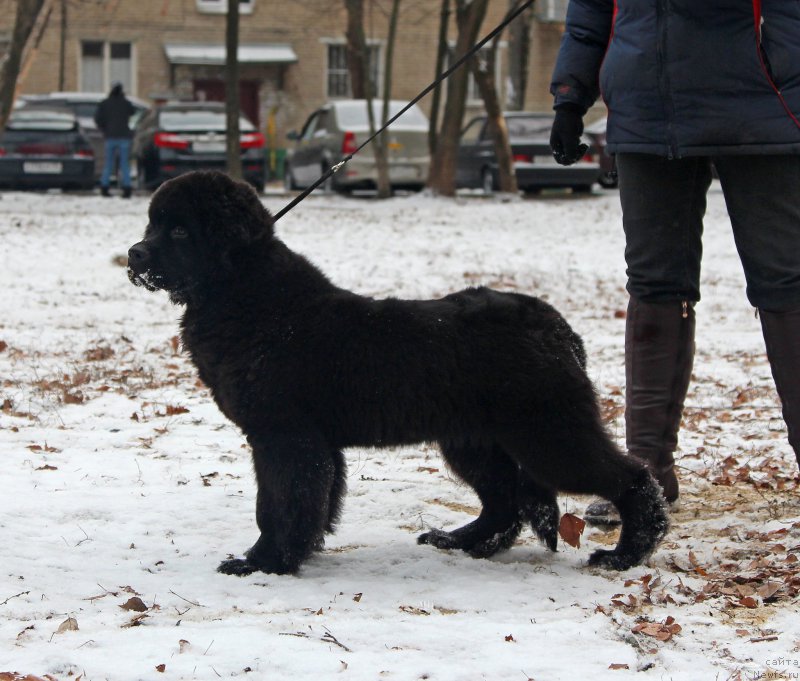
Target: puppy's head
[198,222]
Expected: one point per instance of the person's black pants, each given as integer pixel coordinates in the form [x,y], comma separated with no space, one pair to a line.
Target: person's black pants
[663,204]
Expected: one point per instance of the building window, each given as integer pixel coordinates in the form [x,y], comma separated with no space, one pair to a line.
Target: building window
[551,10]
[103,63]
[221,6]
[338,75]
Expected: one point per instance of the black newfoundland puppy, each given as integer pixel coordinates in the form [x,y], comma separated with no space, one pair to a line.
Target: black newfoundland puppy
[307,369]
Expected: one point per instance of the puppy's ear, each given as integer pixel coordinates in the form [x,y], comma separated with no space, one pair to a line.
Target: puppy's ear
[241,216]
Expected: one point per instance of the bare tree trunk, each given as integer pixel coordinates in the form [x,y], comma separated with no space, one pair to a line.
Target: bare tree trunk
[382,155]
[232,144]
[62,46]
[442,180]
[359,68]
[356,49]
[441,56]
[27,13]
[484,70]
[519,50]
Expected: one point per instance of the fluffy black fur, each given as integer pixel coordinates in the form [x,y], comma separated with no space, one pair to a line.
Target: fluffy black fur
[307,369]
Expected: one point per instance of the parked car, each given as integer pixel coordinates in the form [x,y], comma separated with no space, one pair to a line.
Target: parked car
[45,149]
[339,127]
[175,138]
[596,132]
[83,105]
[534,166]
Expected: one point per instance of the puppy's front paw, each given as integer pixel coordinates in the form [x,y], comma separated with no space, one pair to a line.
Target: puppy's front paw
[440,539]
[237,566]
[611,560]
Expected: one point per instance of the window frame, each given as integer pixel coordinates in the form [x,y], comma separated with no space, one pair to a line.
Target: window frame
[473,93]
[130,83]
[551,11]
[221,6]
[374,46]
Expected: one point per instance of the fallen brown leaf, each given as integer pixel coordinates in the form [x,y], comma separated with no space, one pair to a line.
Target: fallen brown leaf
[571,528]
[135,603]
[69,624]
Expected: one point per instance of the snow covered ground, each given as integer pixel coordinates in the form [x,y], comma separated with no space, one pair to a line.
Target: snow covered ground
[123,486]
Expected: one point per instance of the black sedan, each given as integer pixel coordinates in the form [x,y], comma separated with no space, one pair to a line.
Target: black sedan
[45,149]
[173,139]
[83,105]
[534,166]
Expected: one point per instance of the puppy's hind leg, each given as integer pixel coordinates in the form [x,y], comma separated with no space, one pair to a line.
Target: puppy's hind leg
[539,506]
[645,522]
[296,476]
[493,476]
[581,458]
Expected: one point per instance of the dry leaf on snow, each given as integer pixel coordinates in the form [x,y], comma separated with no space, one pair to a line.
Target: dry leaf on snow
[69,624]
[663,631]
[135,603]
[571,528]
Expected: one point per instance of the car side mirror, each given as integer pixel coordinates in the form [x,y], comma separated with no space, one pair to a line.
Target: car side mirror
[293,135]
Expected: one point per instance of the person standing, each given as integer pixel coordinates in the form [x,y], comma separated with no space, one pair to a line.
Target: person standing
[688,84]
[112,117]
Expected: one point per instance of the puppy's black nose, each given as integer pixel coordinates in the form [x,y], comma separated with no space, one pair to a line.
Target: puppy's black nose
[138,255]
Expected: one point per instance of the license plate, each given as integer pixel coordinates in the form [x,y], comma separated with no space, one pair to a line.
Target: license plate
[42,167]
[209,147]
[403,172]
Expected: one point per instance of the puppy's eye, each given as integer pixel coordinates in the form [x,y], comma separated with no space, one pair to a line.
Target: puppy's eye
[178,233]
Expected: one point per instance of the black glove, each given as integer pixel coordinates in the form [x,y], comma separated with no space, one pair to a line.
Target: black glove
[565,137]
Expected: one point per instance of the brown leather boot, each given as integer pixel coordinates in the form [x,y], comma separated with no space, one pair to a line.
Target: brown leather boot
[659,353]
[782,337]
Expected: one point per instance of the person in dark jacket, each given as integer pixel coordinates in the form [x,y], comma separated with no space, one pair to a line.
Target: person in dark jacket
[112,117]
[688,84]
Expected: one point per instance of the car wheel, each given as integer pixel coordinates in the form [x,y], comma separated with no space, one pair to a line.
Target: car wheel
[141,175]
[327,186]
[608,180]
[487,181]
[257,183]
[288,179]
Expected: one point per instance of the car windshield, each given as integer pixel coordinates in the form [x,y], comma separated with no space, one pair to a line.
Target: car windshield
[529,126]
[353,115]
[80,109]
[188,120]
[83,109]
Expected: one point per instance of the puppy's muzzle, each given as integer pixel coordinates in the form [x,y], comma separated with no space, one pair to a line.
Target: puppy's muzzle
[138,265]
[138,258]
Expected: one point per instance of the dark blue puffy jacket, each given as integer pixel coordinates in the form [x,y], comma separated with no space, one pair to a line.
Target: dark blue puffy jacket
[686,77]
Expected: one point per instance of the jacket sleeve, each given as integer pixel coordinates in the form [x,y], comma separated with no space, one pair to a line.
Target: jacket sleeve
[583,46]
[100,117]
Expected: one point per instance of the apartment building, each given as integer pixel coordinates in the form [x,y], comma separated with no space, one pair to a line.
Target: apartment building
[292,52]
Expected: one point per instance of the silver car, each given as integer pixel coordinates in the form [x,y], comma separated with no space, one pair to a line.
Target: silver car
[338,128]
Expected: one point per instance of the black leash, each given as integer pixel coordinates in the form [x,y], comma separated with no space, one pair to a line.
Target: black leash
[446,74]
